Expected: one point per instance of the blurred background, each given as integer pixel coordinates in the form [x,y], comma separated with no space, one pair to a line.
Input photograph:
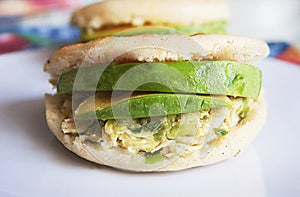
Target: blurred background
[272,20]
[27,24]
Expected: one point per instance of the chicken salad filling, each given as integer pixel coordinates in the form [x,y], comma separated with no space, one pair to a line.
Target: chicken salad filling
[163,136]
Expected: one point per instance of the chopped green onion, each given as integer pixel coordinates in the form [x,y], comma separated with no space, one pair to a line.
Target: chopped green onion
[153,158]
[157,136]
[219,131]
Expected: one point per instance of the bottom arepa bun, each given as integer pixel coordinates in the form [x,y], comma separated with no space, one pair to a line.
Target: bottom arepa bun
[230,145]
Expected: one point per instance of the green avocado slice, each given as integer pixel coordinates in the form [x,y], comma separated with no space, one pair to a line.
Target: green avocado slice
[200,77]
[106,105]
[217,27]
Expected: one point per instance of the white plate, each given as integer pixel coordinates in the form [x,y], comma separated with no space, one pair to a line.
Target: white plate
[34,163]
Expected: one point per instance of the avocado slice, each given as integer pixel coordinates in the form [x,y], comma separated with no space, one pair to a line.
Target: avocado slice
[200,77]
[107,105]
[216,27]
[209,27]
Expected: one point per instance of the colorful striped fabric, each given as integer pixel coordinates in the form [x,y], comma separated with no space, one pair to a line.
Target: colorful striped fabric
[285,51]
[33,24]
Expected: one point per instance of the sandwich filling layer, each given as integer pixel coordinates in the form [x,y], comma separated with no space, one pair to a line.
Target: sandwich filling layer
[160,137]
[216,27]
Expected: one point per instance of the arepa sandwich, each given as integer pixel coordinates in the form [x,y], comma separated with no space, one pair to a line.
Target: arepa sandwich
[118,17]
[157,102]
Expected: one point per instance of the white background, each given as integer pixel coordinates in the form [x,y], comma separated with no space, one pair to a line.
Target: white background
[275,20]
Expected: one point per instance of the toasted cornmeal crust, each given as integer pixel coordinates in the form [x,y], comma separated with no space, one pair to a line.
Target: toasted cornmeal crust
[141,48]
[232,144]
[157,12]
